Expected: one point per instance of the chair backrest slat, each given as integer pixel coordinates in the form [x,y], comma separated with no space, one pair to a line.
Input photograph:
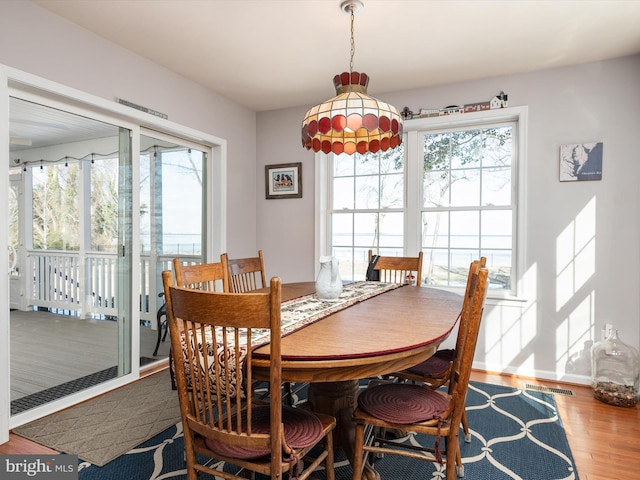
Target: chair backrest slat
[245,274]
[474,268]
[211,277]
[399,269]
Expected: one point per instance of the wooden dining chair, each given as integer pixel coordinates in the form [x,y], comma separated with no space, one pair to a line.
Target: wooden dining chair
[245,274]
[417,408]
[436,370]
[215,331]
[211,277]
[398,269]
[201,276]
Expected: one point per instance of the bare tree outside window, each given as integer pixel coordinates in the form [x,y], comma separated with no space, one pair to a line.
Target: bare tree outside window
[55,207]
[178,181]
[467,204]
[104,205]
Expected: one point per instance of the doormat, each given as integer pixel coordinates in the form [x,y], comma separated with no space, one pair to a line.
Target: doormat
[107,426]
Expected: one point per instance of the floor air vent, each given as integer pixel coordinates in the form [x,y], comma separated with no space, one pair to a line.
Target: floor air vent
[540,388]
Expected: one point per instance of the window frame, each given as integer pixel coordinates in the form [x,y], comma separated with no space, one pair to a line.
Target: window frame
[413,130]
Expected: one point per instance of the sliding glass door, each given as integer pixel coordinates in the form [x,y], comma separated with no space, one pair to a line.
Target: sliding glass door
[71,229]
[100,200]
[98,207]
[172,225]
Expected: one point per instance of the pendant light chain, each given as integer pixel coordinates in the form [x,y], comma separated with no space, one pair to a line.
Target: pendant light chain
[353,43]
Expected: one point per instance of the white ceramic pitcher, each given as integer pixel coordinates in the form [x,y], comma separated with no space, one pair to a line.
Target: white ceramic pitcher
[329,283]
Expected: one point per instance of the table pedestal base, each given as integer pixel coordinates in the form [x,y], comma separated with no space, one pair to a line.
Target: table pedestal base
[331,398]
[338,399]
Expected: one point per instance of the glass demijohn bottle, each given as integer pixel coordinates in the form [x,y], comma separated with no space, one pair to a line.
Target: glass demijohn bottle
[615,372]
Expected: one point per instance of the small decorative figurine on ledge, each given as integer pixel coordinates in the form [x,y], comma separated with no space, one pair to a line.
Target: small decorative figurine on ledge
[499,101]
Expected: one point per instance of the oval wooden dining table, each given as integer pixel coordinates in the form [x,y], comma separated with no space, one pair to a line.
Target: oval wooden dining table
[383,334]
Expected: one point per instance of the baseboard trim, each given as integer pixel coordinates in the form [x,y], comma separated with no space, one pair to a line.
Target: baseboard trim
[567,378]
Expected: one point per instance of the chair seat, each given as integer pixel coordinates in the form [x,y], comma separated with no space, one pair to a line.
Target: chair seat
[403,403]
[436,365]
[302,429]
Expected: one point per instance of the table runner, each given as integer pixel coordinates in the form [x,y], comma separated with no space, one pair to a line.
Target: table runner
[295,314]
[302,311]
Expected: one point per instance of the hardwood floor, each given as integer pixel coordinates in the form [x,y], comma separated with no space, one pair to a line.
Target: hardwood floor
[20,445]
[603,439]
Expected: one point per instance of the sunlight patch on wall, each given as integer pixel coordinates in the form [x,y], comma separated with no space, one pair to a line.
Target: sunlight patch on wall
[527,366]
[576,255]
[511,330]
[506,334]
[564,287]
[573,338]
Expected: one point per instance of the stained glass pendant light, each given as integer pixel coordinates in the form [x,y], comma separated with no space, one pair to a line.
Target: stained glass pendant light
[352,121]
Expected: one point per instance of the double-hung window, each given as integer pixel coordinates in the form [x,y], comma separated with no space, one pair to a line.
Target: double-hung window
[367,208]
[451,190]
[468,203]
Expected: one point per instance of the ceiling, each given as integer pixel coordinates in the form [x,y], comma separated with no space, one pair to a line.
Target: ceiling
[32,126]
[271,54]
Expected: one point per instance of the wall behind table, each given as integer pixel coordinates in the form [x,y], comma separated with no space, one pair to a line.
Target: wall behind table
[582,256]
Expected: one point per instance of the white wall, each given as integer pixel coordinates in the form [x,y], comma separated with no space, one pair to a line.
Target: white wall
[38,42]
[582,256]
[285,226]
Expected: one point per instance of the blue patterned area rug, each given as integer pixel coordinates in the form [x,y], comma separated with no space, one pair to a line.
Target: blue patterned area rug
[516,434]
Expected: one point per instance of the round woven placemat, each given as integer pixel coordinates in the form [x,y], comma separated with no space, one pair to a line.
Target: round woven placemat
[435,365]
[402,403]
[301,429]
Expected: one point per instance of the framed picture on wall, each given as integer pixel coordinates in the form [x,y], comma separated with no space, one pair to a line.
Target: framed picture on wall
[581,161]
[283,180]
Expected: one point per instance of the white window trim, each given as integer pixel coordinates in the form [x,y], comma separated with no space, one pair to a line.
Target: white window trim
[412,127]
[323,194]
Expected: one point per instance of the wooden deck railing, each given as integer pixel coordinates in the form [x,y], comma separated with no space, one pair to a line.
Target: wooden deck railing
[86,284]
